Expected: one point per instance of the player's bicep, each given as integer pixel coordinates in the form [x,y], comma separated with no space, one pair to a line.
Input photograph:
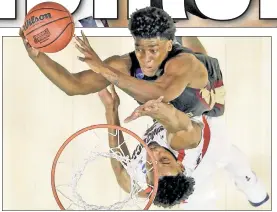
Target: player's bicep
[90,82]
[175,88]
[175,79]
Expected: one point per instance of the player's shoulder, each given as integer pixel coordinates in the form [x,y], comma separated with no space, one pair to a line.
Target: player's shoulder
[181,55]
[181,60]
[125,58]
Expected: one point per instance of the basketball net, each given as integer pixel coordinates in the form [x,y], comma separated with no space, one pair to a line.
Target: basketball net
[82,176]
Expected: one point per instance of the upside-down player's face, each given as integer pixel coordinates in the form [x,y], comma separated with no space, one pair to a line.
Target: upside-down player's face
[166,162]
[151,53]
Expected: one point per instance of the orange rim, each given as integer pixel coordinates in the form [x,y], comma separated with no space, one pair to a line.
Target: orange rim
[98,126]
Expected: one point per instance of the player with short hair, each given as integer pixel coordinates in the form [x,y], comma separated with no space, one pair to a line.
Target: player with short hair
[170,170]
[187,151]
[157,67]
[190,81]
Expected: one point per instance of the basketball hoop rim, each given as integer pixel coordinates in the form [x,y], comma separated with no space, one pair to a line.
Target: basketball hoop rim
[99,126]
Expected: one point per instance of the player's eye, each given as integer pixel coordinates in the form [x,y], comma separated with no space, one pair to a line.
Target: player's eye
[138,50]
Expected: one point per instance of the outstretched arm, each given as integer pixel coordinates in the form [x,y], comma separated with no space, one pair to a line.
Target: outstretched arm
[81,83]
[180,71]
[116,140]
[183,133]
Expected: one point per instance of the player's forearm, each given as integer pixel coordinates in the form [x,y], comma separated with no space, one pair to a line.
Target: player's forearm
[57,74]
[185,139]
[116,143]
[141,90]
[182,134]
[171,118]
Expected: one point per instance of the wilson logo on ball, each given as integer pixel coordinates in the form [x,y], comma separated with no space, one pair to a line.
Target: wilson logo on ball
[35,19]
[42,36]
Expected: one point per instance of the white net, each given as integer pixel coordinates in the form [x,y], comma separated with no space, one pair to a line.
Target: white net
[85,179]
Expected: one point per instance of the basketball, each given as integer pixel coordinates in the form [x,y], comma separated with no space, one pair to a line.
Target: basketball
[48,27]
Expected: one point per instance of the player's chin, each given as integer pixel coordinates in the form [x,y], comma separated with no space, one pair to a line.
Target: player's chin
[150,72]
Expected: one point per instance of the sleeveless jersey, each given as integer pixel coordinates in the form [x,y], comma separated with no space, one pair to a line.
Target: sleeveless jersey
[190,158]
[193,102]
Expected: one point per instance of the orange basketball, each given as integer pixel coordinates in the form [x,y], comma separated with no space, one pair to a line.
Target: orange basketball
[49,27]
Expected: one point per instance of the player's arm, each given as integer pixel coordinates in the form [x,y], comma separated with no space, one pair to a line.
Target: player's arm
[81,83]
[116,140]
[183,133]
[111,102]
[72,84]
[180,72]
[187,134]
[121,174]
